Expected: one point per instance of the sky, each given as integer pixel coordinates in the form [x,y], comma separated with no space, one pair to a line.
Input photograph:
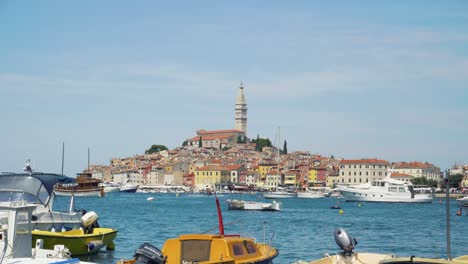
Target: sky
[367,79]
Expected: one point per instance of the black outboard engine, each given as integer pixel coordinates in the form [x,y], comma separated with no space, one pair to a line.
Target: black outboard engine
[148,254]
[345,241]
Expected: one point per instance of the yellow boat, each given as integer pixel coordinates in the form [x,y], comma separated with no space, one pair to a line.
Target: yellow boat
[206,249]
[77,241]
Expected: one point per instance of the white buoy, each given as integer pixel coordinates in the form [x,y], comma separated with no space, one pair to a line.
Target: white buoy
[149,198]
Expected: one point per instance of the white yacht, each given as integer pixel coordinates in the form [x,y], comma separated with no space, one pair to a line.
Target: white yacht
[387,190]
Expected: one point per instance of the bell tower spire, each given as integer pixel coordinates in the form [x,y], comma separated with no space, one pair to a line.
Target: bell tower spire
[241,111]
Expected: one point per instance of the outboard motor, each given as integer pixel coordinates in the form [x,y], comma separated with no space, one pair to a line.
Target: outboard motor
[345,241]
[149,254]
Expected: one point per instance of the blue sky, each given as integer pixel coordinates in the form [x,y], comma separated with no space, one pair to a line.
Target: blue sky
[371,79]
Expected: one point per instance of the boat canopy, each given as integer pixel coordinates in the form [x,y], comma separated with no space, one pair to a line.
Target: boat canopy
[33,188]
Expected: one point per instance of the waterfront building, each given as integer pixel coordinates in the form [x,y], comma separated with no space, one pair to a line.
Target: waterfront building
[272,180]
[361,171]
[312,175]
[207,177]
[291,178]
[234,172]
[249,178]
[189,180]
[401,177]
[264,169]
[418,169]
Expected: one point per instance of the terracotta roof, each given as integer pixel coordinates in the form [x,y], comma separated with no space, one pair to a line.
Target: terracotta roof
[400,175]
[414,164]
[365,161]
[207,132]
[212,137]
[232,167]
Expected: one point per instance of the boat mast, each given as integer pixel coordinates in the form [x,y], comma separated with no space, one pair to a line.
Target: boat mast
[88,159]
[63,155]
[447,208]
[220,216]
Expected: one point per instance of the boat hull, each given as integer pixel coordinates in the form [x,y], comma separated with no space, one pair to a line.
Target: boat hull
[274,195]
[356,195]
[309,195]
[81,193]
[129,188]
[76,240]
[463,201]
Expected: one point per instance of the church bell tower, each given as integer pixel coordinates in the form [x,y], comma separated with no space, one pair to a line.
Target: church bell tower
[241,111]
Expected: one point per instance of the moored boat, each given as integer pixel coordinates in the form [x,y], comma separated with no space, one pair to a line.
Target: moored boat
[463,201]
[38,189]
[111,187]
[15,239]
[278,194]
[386,190]
[85,186]
[128,187]
[253,205]
[78,241]
[207,249]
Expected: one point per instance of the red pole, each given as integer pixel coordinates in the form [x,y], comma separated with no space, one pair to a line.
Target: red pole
[220,216]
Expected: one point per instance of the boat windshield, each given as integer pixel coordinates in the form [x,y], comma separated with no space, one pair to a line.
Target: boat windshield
[22,188]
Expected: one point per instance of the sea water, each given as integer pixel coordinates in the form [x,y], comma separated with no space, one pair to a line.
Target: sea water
[302,230]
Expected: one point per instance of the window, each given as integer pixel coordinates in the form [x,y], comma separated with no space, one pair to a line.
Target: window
[251,249]
[237,249]
[342,173]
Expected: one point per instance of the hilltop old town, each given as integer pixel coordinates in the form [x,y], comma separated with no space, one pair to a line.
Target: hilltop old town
[218,158]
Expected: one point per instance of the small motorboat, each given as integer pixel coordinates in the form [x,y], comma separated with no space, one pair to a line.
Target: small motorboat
[207,249]
[78,241]
[128,187]
[463,201]
[84,241]
[253,205]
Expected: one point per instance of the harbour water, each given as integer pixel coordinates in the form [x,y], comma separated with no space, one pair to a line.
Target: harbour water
[303,230]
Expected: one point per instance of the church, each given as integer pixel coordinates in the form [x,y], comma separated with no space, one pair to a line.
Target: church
[220,139]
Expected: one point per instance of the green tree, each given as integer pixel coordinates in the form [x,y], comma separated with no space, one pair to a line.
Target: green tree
[200,142]
[424,181]
[255,141]
[184,143]
[454,181]
[260,143]
[285,147]
[239,140]
[155,148]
